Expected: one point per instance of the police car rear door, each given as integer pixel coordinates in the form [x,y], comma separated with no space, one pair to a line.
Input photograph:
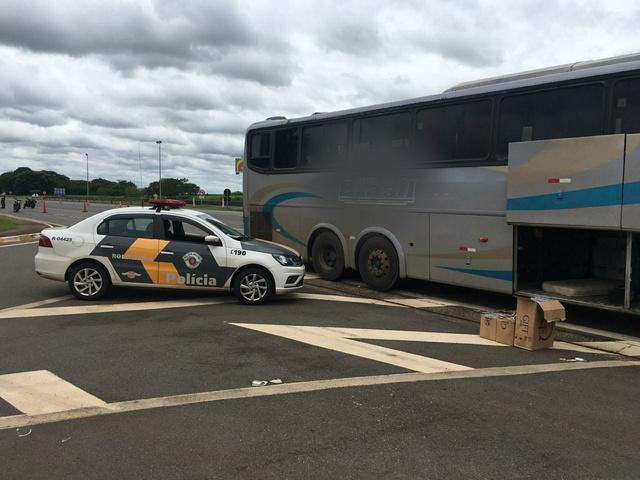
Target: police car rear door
[186,260]
[129,244]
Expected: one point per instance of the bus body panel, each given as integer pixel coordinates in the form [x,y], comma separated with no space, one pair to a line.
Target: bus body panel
[472,250]
[566,182]
[631,191]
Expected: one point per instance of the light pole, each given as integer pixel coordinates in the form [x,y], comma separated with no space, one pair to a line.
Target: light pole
[159,142]
[86,197]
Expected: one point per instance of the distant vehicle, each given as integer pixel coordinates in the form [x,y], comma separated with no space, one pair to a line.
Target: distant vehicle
[30,202]
[165,246]
[525,184]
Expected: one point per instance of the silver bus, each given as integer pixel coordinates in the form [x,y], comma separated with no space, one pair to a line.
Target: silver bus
[525,184]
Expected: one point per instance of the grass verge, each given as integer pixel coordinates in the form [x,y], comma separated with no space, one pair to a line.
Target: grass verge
[7,224]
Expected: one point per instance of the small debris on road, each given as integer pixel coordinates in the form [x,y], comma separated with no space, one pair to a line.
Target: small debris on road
[65,439]
[574,359]
[275,381]
[259,383]
[22,433]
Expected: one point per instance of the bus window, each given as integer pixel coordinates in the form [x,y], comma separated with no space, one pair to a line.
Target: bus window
[383,139]
[454,132]
[626,106]
[324,146]
[260,151]
[560,113]
[286,151]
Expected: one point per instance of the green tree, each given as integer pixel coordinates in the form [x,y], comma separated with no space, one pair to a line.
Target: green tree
[173,187]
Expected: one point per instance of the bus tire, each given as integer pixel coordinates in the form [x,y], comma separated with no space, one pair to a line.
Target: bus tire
[327,256]
[378,263]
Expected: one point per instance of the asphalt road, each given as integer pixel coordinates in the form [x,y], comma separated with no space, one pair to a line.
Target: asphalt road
[487,423]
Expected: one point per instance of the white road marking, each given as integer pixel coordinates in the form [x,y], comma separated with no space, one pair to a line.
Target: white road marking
[599,333]
[342,340]
[38,304]
[583,348]
[41,392]
[631,349]
[108,308]
[20,421]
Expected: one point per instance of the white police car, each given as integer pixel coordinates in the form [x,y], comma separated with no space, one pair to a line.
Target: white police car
[165,246]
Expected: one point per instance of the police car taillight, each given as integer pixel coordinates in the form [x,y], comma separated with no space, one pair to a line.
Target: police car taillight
[44,241]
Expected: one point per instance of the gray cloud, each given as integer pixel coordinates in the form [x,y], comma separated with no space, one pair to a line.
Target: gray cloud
[110,77]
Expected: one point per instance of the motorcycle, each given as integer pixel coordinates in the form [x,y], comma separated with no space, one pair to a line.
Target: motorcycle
[30,202]
[16,206]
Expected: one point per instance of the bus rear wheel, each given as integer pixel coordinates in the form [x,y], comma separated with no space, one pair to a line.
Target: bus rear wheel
[378,263]
[327,256]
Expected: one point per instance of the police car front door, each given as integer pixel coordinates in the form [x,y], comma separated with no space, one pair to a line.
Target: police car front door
[185,260]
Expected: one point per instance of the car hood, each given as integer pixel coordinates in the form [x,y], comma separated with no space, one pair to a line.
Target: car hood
[263,246]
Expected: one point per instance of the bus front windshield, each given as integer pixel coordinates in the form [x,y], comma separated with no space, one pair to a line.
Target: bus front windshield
[226,229]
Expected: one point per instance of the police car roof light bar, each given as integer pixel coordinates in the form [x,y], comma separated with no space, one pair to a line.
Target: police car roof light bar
[165,204]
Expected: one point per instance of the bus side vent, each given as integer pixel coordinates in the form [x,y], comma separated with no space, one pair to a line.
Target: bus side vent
[260,225]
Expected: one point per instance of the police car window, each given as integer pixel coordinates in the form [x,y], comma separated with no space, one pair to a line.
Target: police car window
[226,229]
[183,231]
[132,227]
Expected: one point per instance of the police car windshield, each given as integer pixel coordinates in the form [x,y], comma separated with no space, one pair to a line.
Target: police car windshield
[226,229]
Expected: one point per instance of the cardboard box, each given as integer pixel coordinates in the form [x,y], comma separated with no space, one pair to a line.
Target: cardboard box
[535,321]
[505,329]
[488,325]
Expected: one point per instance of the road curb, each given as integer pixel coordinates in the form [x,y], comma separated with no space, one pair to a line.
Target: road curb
[19,238]
[24,237]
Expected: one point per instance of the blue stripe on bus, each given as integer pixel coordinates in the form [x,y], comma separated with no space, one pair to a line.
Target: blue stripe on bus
[273,202]
[506,275]
[585,198]
[631,193]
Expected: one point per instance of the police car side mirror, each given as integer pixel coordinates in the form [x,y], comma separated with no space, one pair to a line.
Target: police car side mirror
[213,240]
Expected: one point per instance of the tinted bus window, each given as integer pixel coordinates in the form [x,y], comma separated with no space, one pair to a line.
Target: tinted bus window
[383,140]
[561,113]
[260,150]
[626,106]
[454,132]
[324,146]
[286,151]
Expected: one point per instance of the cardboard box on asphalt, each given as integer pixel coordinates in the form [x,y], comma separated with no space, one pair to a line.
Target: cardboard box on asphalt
[488,325]
[505,329]
[535,322]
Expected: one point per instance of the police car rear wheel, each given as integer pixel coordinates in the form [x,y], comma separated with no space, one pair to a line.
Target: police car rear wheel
[89,281]
[253,286]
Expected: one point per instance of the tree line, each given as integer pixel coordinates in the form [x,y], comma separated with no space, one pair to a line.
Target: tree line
[24,181]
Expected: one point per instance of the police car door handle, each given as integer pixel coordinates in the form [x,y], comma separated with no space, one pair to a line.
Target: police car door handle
[106,246]
[166,252]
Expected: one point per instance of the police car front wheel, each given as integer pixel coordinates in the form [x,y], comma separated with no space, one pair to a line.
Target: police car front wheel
[253,286]
[89,281]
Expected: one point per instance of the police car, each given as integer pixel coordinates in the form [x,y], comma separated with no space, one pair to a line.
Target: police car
[165,246]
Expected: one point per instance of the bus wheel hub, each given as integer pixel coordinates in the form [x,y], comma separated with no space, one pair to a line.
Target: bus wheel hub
[378,263]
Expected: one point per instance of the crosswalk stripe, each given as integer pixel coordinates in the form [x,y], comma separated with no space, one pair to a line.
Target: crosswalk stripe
[40,392]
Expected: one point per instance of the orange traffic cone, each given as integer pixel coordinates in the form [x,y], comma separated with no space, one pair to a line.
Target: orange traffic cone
[85,207]
[44,206]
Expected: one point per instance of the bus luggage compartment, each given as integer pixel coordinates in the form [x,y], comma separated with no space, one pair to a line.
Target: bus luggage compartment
[592,267]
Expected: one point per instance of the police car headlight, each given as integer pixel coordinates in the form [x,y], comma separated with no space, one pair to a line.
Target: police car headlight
[288,260]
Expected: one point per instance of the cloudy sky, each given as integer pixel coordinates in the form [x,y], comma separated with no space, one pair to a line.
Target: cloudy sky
[111,77]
